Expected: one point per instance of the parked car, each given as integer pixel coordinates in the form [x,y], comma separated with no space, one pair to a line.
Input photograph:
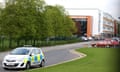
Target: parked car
[90,38]
[106,43]
[24,57]
[116,38]
[83,38]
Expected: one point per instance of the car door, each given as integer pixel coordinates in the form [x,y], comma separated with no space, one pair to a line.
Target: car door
[35,57]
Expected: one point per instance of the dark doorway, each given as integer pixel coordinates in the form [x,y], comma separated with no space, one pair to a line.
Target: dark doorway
[81,24]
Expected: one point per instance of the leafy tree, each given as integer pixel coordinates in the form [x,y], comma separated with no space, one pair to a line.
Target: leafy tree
[19,18]
[69,26]
[8,22]
[57,22]
[33,19]
[0,19]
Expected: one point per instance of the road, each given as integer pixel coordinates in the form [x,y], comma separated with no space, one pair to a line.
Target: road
[53,54]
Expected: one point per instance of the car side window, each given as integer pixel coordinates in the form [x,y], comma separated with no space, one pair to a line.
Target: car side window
[35,51]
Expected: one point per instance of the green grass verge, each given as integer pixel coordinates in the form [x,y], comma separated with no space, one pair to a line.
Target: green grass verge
[97,60]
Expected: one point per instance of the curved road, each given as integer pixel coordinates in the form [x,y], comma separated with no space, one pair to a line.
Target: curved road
[53,54]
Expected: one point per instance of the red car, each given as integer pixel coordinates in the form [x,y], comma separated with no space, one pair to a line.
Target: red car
[106,43]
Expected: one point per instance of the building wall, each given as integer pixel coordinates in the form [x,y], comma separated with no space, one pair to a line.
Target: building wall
[107,25]
[88,20]
[102,24]
[116,28]
[94,13]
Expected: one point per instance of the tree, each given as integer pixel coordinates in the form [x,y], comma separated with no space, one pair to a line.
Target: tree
[8,22]
[69,26]
[57,22]
[34,20]
[0,19]
[20,18]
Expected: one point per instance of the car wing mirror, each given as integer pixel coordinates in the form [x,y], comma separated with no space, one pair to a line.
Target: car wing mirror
[31,54]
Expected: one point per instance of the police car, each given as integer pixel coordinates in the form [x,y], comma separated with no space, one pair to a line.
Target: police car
[24,57]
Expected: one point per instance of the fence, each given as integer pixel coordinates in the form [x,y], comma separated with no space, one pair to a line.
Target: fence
[8,44]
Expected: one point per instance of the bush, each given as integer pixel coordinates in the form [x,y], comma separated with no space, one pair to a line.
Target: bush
[6,44]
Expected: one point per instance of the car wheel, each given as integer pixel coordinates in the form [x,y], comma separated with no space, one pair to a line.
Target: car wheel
[42,64]
[27,66]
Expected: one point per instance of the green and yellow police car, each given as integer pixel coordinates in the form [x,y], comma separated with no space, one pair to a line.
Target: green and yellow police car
[24,57]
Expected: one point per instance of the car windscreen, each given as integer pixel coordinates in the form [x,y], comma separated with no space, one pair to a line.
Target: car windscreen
[20,51]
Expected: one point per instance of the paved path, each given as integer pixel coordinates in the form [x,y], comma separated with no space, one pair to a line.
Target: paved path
[54,54]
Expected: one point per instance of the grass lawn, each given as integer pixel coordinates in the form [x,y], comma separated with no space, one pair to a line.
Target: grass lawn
[97,60]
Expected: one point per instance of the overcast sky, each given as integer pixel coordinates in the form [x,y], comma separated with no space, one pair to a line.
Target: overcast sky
[110,6]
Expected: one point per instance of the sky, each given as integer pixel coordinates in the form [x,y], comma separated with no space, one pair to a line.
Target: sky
[110,6]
